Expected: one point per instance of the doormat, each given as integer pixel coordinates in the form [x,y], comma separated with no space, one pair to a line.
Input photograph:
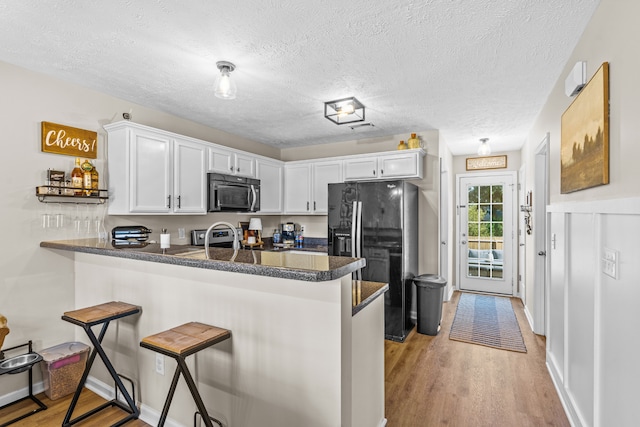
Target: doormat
[487,320]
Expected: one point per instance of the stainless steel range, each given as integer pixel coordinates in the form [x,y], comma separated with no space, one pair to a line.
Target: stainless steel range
[220,237]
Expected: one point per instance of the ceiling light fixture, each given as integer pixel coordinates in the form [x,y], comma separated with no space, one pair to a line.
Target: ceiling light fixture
[345,110]
[225,86]
[484,149]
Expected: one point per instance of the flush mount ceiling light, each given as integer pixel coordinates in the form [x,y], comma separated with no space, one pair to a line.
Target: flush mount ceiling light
[225,86]
[484,149]
[343,111]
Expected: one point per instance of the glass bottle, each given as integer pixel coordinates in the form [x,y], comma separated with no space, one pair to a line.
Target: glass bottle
[77,178]
[86,167]
[94,181]
[402,145]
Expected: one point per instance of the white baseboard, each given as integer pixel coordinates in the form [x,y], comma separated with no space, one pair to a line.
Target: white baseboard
[147,414]
[564,400]
[529,317]
[19,394]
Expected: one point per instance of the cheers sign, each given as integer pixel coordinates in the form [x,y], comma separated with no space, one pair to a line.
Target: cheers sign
[69,141]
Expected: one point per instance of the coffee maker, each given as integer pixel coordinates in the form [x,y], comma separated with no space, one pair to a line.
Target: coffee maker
[288,233]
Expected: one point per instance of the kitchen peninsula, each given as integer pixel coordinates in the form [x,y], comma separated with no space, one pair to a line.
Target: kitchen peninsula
[307,343]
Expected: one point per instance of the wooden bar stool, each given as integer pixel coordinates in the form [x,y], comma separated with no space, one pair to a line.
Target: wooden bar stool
[178,343]
[86,318]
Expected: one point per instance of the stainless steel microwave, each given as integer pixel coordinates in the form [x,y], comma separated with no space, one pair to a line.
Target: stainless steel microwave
[233,193]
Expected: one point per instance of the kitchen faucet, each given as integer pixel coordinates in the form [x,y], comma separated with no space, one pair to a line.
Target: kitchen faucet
[236,240]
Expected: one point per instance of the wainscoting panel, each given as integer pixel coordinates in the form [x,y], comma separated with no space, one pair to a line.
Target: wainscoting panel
[594,319]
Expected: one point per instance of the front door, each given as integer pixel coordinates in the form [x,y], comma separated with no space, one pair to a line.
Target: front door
[486,233]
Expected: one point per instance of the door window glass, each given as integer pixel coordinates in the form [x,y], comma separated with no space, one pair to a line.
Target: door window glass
[485,236]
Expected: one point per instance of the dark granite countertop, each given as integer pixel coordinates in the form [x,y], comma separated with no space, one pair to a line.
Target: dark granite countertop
[285,264]
[363,292]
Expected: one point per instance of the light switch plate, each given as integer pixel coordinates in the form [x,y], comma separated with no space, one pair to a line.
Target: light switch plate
[610,262]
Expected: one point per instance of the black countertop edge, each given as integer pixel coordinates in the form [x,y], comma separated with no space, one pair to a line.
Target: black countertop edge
[369,292]
[342,265]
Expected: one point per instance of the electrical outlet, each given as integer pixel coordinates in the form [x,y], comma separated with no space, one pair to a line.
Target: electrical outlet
[610,262]
[181,234]
[159,364]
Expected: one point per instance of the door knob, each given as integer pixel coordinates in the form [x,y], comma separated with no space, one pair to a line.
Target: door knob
[443,243]
[542,253]
[464,242]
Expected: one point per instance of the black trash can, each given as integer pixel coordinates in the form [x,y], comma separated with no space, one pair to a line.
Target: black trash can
[429,294]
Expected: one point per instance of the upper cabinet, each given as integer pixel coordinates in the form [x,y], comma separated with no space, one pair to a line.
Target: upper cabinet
[388,165]
[271,176]
[306,185]
[154,172]
[231,162]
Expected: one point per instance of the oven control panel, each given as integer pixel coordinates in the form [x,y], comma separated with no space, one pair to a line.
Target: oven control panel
[218,237]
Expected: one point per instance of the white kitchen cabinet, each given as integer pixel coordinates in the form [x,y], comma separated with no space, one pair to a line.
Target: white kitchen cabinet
[297,188]
[306,185]
[271,176]
[231,162]
[189,179]
[154,172]
[323,174]
[391,165]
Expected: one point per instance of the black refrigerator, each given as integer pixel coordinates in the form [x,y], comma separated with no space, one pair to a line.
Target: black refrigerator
[378,221]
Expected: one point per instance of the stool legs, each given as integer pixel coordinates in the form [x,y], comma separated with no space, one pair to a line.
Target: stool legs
[131,407]
[184,370]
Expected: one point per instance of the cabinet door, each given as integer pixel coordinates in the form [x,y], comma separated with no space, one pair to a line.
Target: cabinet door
[221,161]
[297,185]
[402,165]
[361,168]
[271,176]
[324,173]
[245,165]
[150,172]
[190,191]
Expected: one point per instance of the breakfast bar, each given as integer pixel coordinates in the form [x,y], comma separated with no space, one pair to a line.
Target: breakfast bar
[306,346]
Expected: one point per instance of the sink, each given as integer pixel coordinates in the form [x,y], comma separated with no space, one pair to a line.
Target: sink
[195,253]
[306,252]
[17,362]
[189,251]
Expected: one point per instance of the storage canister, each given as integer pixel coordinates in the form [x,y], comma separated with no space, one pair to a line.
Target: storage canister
[62,367]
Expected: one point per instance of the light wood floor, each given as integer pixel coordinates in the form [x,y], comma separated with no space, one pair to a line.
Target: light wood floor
[57,409]
[435,381]
[430,381]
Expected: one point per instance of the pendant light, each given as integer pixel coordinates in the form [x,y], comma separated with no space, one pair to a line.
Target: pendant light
[484,149]
[225,86]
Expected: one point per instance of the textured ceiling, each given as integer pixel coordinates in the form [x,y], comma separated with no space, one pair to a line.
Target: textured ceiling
[467,68]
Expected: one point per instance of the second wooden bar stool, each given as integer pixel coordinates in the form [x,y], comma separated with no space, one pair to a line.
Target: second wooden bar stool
[178,343]
[86,318]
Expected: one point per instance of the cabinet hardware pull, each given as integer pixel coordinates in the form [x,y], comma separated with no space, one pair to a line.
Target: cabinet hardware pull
[231,168]
[179,203]
[169,201]
[307,205]
[374,173]
[237,169]
[381,172]
[314,205]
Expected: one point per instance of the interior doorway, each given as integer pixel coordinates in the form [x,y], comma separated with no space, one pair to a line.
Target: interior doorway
[486,232]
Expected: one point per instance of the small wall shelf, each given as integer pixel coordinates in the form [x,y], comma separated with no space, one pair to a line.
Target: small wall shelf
[51,194]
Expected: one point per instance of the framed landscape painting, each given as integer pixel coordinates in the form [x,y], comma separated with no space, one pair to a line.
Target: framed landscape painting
[584,148]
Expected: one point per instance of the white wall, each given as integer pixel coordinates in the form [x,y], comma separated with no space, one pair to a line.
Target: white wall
[590,317]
